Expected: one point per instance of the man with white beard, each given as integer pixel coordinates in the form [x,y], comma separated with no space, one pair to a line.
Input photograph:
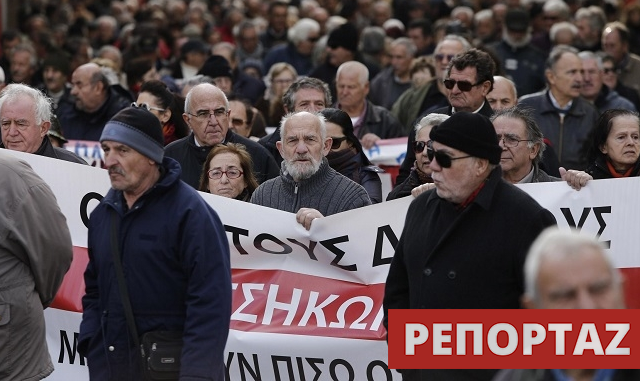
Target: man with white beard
[522,62]
[307,185]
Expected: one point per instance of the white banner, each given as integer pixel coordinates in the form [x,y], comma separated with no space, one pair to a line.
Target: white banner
[309,303]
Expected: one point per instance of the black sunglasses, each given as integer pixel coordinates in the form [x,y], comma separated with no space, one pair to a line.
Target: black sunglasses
[462,85]
[442,158]
[419,146]
[337,142]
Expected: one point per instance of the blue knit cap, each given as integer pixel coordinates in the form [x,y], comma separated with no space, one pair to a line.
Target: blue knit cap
[138,129]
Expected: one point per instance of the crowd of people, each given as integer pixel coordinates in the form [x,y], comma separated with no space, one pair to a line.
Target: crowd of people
[276,103]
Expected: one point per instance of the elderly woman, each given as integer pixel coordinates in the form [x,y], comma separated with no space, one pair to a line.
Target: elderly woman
[228,172]
[278,80]
[166,106]
[615,145]
[346,155]
[420,173]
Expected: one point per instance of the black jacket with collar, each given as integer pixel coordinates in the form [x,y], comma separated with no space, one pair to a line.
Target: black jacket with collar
[192,157]
[48,150]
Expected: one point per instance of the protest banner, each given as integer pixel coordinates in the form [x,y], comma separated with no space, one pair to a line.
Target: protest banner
[309,303]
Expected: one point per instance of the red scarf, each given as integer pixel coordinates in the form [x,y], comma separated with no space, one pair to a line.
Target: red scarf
[615,174]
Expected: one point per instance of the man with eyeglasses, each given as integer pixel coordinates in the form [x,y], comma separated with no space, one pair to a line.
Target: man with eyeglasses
[92,103]
[522,146]
[307,185]
[564,117]
[206,111]
[468,79]
[444,258]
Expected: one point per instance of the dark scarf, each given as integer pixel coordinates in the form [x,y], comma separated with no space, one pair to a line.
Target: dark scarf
[345,161]
[423,177]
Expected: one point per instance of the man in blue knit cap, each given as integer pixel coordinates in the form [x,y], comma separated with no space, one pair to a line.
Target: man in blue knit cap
[174,254]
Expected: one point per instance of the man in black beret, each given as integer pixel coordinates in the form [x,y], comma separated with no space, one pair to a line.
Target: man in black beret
[464,243]
[56,69]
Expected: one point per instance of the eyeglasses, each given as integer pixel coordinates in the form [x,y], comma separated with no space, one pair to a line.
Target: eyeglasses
[337,142]
[442,158]
[419,146]
[510,141]
[609,70]
[237,122]
[441,57]
[216,174]
[203,115]
[313,39]
[462,85]
[146,107]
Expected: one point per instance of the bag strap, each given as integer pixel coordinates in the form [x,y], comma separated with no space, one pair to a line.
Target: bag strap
[124,294]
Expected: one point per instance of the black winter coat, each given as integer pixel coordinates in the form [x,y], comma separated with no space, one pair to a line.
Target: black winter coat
[450,259]
[192,158]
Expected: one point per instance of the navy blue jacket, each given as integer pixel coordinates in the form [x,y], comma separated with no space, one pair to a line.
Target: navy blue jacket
[175,258]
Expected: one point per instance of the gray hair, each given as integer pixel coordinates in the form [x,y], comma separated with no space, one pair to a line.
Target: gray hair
[408,44]
[372,40]
[27,47]
[42,103]
[301,30]
[485,14]
[560,27]
[594,15]
[321,119]
[534,134]
[289,97]
[556,53]
[553,242]
[511,84]
[363,72]
[430,120]
[210,86]
[558,6]
[588,55]
[466,45]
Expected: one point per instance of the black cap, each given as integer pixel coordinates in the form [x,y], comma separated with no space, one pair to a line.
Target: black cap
[517,20]
[470,133]
[345,36]
[216,66]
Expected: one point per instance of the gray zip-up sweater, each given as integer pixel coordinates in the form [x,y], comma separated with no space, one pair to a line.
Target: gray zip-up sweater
[326,191]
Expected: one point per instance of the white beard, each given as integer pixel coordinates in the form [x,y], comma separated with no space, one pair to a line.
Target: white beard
[516,44]
[300,171]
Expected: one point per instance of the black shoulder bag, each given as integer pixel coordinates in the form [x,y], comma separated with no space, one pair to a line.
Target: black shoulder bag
[160,350]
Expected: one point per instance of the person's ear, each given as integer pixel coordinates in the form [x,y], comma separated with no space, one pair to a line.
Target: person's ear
[44,128]
[534,151]
[328,141]
[279,147]
[527,302]
[165,116]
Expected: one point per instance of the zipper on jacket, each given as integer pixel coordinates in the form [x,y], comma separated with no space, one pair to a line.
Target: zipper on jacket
[562,116]
[295,188]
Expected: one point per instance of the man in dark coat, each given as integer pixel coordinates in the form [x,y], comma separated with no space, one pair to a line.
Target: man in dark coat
[473,67]
[444,258]
[174,254]
[207,114]
[27,113]
[92,103]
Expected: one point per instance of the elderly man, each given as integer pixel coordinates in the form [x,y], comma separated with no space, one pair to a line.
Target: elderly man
[371,122]
[566,269]
[504,94]
[158,247]
[24,64]
[593,88]
[307,185]
[305,94]
[92,103]
[521,61]
[417,102]
[615,42]
[206,111]
[302,36]
[564,117]
[25,114]
[443,258]
[35,255]
[590,22]
[391,82]
[468,79]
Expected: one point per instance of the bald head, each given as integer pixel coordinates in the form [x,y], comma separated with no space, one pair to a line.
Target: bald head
[504,94]
[89,87]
